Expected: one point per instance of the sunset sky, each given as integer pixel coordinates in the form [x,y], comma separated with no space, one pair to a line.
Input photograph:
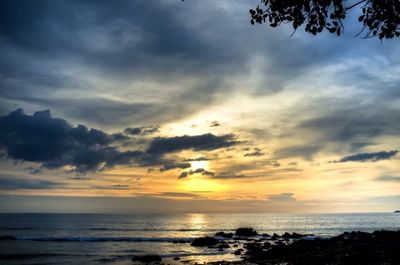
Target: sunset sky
[171,106]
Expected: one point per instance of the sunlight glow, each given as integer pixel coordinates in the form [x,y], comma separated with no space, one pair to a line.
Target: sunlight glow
[199,164]
[201,184]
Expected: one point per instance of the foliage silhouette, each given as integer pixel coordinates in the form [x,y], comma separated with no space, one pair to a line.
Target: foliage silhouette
[379,18]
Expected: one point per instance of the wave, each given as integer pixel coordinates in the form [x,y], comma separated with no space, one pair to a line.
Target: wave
[16,228]
[157,229]
[99,239]
[30,256]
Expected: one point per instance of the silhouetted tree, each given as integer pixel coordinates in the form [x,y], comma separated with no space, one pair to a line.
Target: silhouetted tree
[379,18]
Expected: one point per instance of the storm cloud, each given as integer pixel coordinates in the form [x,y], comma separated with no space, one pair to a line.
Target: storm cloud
[202,142]
[53,143]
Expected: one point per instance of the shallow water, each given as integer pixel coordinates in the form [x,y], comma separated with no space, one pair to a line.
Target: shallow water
[111,239]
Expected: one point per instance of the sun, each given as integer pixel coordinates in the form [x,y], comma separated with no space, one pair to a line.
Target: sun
[199,164]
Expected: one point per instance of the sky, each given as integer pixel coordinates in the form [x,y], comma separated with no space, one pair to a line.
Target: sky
[170,106]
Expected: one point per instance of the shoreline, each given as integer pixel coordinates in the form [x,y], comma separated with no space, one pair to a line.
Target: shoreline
[348,248]
[245,246]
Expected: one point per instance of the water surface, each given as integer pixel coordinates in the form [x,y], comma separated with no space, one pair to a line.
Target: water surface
[111,239]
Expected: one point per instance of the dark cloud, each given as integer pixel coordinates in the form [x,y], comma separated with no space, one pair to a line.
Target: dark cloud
[215,124]
[200,171]
[183,175]
[146,130]
[256,153]
[207,141]
[13,183]
[174,165]
[80,178]
[272,163]
[368,157]
[113,187]
[229,175]
[176,194]
[54,143]
[201,158]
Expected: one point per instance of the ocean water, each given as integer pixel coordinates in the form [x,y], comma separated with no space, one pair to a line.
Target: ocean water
[113,239]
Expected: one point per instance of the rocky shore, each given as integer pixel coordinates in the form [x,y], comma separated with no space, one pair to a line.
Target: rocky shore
[349,248]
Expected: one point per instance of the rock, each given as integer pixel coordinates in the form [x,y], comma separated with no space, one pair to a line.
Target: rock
[265,235]
[223,246]
[296,235]
[275,236]
[147,258]
[177,258]
[267,244]
[287,235]
[224,235]
[246,232]
[8,238]
[237,252]
[380,247]
[204,241]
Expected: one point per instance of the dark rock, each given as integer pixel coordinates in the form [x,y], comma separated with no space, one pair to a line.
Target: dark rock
[224,235]
[267,244]
[223,246]
[246,232]
[238,252]
[204,241]
[177,258]
[8,238]
[294,235]
[265,235]
[147,258]
[275,236]
[380,247]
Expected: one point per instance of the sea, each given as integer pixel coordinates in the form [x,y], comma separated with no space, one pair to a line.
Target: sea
[113,239]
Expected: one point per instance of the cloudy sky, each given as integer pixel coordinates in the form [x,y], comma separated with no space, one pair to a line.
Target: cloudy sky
[171,106]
